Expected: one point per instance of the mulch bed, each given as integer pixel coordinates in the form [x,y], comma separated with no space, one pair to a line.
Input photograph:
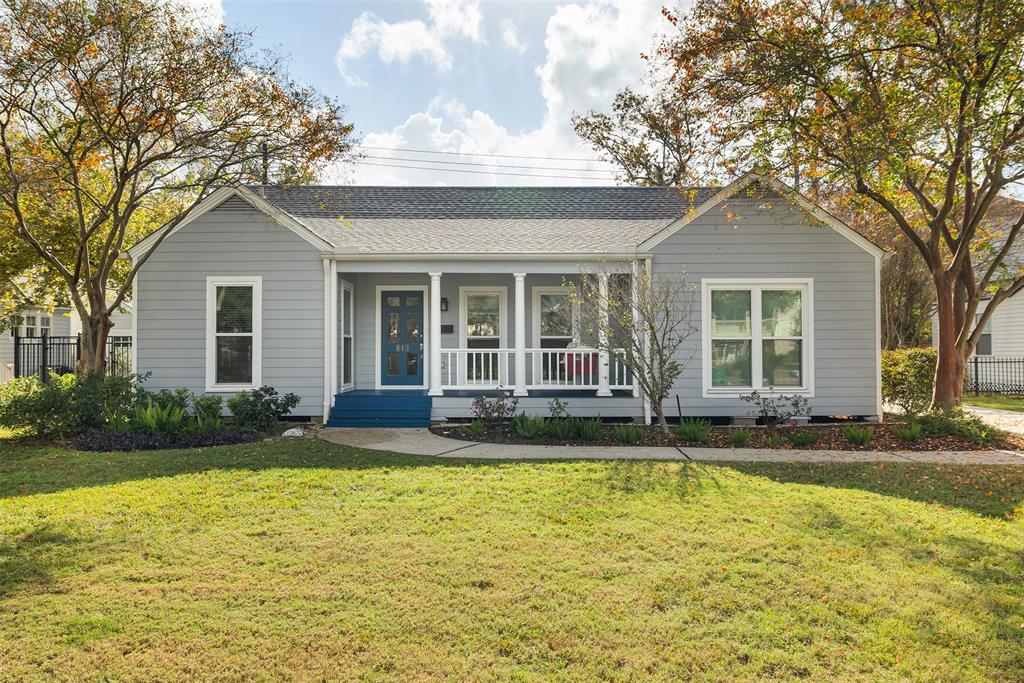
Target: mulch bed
[832,438]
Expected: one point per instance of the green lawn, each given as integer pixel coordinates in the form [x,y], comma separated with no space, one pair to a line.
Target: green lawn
[301,559]
[999,401]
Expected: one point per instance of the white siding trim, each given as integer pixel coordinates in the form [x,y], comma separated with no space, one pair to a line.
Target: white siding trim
[878,339]
[756,285]
[256,282]
[427,341]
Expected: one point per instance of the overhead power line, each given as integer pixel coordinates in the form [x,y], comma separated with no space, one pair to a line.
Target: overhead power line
[482,154]
[466,170]
[488,165]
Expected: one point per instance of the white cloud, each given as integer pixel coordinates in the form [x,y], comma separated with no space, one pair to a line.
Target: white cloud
[510,37]
[404,40]
[583,70]
[457,18]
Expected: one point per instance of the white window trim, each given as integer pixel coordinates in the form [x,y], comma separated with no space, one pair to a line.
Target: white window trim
[427,341]
[537,292]
[756,285]
[502,293]
[212,283]
[347,383]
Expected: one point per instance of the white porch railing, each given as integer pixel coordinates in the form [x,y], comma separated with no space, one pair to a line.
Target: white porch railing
[547,369]
[475,368]
[574,369]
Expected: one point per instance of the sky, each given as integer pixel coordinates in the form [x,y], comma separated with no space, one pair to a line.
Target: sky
[467,77]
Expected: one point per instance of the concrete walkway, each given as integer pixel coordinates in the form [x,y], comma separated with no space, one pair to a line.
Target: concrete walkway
[423,442]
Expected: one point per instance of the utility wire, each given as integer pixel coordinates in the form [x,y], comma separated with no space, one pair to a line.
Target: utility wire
[481,154]
[466,170]
[488,164]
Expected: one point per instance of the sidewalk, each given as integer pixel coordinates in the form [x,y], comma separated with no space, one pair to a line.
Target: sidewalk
[423,442]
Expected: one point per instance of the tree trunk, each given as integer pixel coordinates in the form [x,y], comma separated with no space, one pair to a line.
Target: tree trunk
[659,412]
[95,330]
[949,371]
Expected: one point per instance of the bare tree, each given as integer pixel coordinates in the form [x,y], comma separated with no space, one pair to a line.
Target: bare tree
[643,320]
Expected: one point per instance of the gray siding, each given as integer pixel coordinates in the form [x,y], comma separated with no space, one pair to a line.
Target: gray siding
[233,241]
[769,237]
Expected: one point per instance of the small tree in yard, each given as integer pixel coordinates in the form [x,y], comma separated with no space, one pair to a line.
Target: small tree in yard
[649,318]
[117,116]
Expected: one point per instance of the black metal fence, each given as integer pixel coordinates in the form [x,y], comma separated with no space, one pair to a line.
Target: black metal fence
[995,375]
[45,356]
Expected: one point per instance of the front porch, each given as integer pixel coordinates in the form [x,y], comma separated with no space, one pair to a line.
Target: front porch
[468,330]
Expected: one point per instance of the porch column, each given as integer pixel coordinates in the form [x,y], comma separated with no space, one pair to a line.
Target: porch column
[435,335]
[634,289]
[602,333]
[520,389]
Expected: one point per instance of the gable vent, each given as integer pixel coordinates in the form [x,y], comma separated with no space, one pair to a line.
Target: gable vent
[234,204]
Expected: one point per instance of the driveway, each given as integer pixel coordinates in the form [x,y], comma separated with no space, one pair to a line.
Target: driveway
[423,442]
[1007,420]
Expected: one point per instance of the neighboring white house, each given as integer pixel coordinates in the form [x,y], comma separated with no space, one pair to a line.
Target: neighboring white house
[1003,336]
[122,320]
[30,321]
[397,305]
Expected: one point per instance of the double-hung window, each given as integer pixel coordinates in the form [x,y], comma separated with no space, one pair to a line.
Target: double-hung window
[347,325]
[482,321]
[757,335]
[984,346]
[555,314]
[233,333]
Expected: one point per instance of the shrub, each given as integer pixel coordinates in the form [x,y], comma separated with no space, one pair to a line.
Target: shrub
[958,423]
[154,418]
[587,429]
[629,434]
[261,409]
[179,398]
[207,409]
[739,437]
[476,428]
[494,411]
[908,433]
[558,409]
[907,377]
[63,406]
[858,436]
[772,440]
[694,430]
[561,429]
[802,437]
[529,427]
[775,409]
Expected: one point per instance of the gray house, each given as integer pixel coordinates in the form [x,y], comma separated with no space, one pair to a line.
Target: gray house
[395,305]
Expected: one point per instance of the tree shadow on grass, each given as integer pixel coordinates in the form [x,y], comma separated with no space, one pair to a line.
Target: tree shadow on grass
[682,479]
[28,468]
[28,561]
[988,490]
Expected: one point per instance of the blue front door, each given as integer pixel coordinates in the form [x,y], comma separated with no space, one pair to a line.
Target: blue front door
[401,338]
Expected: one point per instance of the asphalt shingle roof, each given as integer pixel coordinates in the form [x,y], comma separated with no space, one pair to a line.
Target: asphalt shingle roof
[484,219]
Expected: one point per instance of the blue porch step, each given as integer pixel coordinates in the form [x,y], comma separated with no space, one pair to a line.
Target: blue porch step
[364,408]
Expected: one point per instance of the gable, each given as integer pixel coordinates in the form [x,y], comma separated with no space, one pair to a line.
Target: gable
[814,213]
[229,199]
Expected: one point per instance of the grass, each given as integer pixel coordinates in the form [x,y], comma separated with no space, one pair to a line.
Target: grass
[300,559]
[996,401]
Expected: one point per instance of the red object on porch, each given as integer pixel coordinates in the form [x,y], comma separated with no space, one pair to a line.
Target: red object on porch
[575,365]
